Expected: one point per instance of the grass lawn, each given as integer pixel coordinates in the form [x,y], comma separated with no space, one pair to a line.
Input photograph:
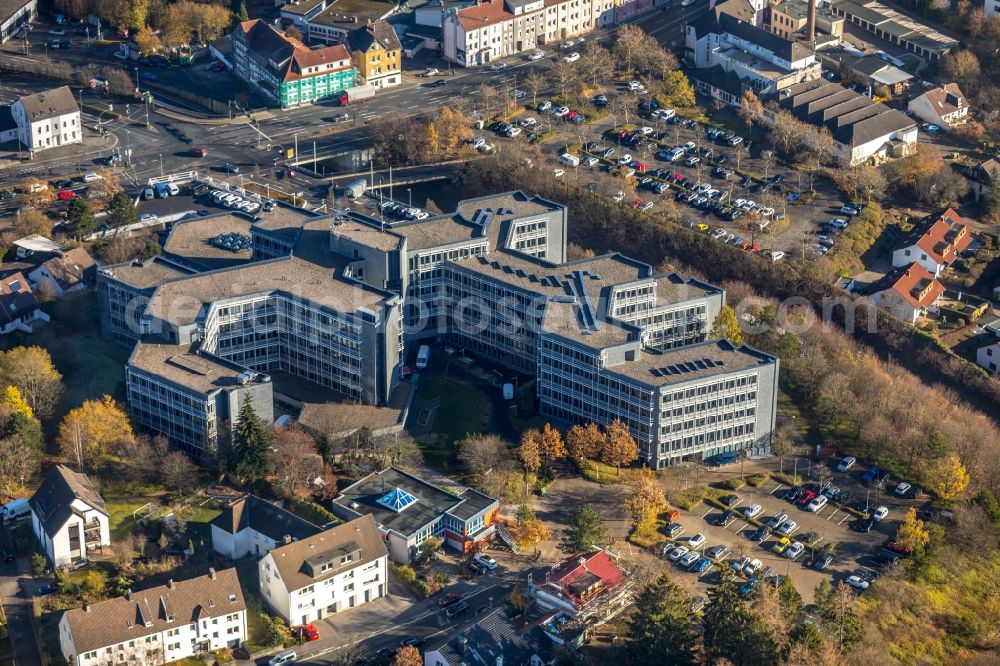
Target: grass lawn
[460,410]
[121,520]
[598,472]
[198,519]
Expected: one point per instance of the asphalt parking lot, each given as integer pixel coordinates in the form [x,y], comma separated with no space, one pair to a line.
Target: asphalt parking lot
[830,524]
[803,220]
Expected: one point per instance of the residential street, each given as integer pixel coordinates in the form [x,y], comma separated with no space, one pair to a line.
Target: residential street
[15,606]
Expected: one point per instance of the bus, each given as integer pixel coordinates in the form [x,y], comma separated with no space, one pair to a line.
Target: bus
[423,356]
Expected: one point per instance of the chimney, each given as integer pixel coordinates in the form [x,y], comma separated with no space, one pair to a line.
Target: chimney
[287,539]
[811,21]
[170,584]
[211,573]
[128,594]
[86,606]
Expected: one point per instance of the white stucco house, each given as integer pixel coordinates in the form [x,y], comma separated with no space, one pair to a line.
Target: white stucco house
[47,119]
[935,242]
[69,518]
[159,625]
[908,292]
[989,357]
[946,106]
[252,527]
[325,574]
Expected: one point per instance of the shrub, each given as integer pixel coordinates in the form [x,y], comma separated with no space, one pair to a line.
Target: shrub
[311,511]
[38,564]
[757,480]
[731,484]
[988,501]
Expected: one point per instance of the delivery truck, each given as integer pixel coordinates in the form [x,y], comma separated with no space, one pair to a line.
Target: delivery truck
[355,95]
[15,509]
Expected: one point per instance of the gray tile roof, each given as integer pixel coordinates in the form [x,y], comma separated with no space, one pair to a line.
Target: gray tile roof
[49,104]
[53,499]
[857,124]
[261,516]
[139,614]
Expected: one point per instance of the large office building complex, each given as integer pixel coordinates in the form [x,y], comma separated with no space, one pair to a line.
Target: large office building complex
[332,300]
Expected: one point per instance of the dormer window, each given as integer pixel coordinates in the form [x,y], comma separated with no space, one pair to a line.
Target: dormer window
[232,598]
[211,603]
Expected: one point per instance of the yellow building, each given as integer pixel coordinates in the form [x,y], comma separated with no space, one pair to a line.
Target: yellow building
[377,53]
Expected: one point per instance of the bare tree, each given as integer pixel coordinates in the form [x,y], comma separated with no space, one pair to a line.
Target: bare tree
[565,74]
[480,453]
[178,472]
[294,456]
[489,101]
[535,82]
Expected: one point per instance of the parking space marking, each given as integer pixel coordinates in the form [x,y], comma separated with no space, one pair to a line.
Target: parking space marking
[847,516]
[745,524]
[707,512]
[835,512]
[776,488]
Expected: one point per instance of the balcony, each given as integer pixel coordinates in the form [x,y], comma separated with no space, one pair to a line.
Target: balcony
[92,532]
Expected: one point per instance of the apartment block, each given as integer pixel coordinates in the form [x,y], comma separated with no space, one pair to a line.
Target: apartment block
[158,625]
[124,291]
[495,29]
[325,574]
[333,301]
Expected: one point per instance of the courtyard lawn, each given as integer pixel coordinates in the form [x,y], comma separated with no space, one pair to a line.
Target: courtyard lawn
[198,519]
[459,410]
[121,519]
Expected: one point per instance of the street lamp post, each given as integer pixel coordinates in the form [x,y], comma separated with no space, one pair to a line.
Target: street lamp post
[411,196]
[136,78]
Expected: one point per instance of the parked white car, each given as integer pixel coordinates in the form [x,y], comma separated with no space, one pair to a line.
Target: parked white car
[754,509]
[572,57]
[485,560]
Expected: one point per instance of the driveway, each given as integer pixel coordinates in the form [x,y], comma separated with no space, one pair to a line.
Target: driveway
[16,607]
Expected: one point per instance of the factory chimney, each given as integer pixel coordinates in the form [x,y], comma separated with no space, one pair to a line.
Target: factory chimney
[811,21]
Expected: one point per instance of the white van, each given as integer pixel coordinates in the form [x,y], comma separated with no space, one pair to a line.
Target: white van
[15,509]
[286,657]
[569,160]
[423,355]
[174,190]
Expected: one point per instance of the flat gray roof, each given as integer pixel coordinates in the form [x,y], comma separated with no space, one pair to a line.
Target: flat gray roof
[684,364]
[201,373]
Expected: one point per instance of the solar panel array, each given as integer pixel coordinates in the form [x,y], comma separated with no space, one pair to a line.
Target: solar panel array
[686,367]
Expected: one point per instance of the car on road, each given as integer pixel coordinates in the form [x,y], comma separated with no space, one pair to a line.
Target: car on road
[148,217]
[286,657]
[64,184]
[90,177]
[498,67]
[308,632]
[858,583]
[696,540]
[229,167]
[678,552]
[902,489]
[485,560]
[436,84]
[58,32]
[572,57]
[413,641]
[880,513]
[927,127]
[536,55]
[448,599]
[458,609]
[688,559]
[754,509]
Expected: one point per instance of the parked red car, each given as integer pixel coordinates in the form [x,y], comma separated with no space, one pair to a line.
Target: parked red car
[807,496]
[449,599]
[899,548]
[636,203]
[66,194]
[308,632]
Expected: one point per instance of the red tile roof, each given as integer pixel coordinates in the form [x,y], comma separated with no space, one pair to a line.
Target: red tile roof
[946,99]
[480,16]
[945,238]
[916,285]
[578,576]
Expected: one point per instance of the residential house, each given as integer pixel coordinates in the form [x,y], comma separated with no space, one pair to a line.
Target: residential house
[377,54]
[47,119]
[159,625]
[69,271]
[984,176]
[988,357]
[907,292]
[36,248]
[327,573]
[251,527]
[298,12]
[583,591]
[731,56]
[992,8]
[14,15]
[864,130]
[335,23]
[753,12]
[935,242]
[285,70]
[409,510]
[874,72]
[945,106]
[494,640]
[8,126]
[69,518]
[19,310]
